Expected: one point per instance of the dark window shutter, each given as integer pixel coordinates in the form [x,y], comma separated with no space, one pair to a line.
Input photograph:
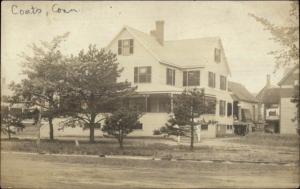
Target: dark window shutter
[149,74]
[184,78]
[198,78]
[120,47]
[173,77]
[167,76]
[229,109]
[136,74]
[131,46]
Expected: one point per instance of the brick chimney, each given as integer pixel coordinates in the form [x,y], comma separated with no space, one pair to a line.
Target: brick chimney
[158,33]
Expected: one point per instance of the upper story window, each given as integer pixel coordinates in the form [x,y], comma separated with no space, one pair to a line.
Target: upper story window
[222,107]
[170,76]
[125,47]
[223,82]
[211,79]
[142,74]
[191,78]
[217,55]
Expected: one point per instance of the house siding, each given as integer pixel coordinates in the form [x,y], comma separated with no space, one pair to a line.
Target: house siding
[288,111]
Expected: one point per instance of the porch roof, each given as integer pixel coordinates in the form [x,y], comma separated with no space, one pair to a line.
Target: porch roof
[152,89]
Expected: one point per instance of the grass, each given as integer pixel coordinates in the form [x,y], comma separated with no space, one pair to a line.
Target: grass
[271,140]
[106,146]
[163,148]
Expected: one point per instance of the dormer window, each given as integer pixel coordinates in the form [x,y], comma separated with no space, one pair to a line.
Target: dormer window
[125,47]
[217,55]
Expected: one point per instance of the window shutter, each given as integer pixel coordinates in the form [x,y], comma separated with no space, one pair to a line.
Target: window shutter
[149,74]
[135,74]
[131,46]
[184,78]
[120,47]
[173,77]
[214,80]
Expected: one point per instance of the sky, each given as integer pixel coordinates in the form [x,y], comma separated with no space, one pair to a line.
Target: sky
[245,42]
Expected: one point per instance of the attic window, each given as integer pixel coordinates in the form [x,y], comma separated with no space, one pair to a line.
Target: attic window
[125,47]
[217,55]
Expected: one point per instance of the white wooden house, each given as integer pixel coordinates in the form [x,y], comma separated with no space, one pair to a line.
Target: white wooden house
[161,68]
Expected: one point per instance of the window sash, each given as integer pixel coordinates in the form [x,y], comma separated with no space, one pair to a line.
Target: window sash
[125,47]
[217,55]
[211,79]
[170,76]
[223,82]
[222,108]
[142,77]
[210,105]
[191,78]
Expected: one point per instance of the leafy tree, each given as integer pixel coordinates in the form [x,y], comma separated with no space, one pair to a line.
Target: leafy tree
[44,70]
[121,123]
[11,120]
[92,88]
[286,36]
[187,107]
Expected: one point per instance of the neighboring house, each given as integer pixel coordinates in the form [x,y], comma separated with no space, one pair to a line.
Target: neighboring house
[245,105]
[269,98]
[288,110]
[163,68]
[275,105]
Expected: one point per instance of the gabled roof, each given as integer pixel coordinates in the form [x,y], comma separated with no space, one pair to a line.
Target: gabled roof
[240,92]
[186,53]
[270,96]
[288,74]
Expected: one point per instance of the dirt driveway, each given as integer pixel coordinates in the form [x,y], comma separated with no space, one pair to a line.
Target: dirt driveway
[39,171]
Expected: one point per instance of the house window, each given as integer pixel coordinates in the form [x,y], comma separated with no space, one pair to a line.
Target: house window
[223,82]
[217,55]
[142,74]
[191,78]
[222,107]
[125,47]
[170,76]
[210,105]
[204,127]
[211,79]
[229,127]
[229,109]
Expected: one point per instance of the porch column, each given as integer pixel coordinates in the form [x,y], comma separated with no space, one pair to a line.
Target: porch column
[172,102]
[146,103]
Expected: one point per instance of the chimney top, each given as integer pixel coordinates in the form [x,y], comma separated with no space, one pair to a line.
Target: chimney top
[158,33]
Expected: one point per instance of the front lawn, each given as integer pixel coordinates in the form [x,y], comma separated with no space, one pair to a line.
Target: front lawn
[271,140]
[236,149]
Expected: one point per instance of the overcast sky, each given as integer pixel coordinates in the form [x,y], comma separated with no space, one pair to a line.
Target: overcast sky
[245,42]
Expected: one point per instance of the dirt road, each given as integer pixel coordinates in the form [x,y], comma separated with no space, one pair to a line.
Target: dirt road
[41,171]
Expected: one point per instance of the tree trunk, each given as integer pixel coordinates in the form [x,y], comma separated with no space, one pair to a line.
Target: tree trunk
[192,134]
[51,130]
[92,129]
[121,143]
[8,132]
